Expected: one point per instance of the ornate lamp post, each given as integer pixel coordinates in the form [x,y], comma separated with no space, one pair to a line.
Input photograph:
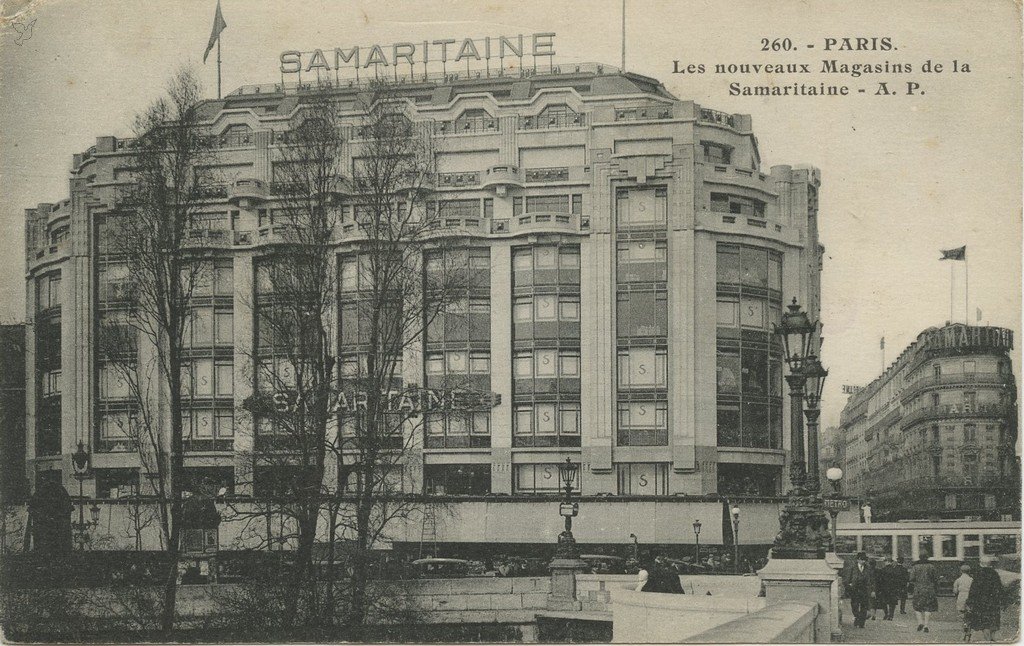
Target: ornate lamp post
[80,463]
[815,374]
[796,332]
[566,564]
[696,534]
[803,532]
[568,509]
[735,539]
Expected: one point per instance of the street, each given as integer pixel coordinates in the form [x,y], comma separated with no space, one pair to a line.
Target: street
[945,627]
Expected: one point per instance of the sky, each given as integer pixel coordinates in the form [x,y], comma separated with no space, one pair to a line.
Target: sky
[902,176]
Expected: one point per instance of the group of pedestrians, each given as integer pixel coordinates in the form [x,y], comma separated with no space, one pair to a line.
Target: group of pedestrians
[978,596]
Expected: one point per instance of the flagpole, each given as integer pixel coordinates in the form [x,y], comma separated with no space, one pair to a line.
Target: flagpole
[218,66]
[951,292]
[967,291]
[623,35]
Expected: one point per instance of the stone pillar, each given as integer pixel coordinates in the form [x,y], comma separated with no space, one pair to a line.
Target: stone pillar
[836,563]
[811,580]
[563,583]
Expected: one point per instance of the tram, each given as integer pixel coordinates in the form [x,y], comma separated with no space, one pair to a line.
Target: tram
[947,543]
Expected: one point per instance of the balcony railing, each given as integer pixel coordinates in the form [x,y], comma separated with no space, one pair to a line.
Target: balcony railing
[445,180]
[954,411]
[964,379]
[643,114]
[559,174]
[550,121]
[467,126]
[247,189]
[714,116]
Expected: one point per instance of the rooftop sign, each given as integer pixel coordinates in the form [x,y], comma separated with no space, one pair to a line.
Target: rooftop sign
[963,336]
[426,53]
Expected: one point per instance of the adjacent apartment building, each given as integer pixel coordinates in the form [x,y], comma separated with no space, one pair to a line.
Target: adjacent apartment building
[637,255]
[936,434]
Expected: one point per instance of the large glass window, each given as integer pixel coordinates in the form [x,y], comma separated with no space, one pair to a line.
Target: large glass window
[642,314]
[541,479]
[457,479]
[546,265]
[641,207]
[643,368]
[642,261]
[643,479]
[546,424]
[643,423]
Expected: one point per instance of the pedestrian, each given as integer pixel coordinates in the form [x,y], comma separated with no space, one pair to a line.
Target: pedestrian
[902,581]
[961,588]
[860,587]
[886,586]
[984,600]
[926,583]
[656,577]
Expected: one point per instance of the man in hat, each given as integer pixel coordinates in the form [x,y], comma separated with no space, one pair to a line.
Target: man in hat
[860,587]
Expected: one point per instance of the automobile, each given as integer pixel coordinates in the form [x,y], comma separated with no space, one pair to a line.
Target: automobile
[604,564]
[441,568]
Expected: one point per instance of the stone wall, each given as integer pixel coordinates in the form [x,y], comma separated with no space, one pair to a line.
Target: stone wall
[651,617]
[594,590]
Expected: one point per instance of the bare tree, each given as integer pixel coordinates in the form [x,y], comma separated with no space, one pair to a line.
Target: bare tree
[158,272]
[352,244]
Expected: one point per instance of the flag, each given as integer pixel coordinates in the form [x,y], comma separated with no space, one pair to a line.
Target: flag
[960,253]
[218,26]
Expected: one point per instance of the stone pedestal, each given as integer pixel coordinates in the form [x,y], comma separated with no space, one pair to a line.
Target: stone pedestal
[836,563]
[563,583]
[805,580]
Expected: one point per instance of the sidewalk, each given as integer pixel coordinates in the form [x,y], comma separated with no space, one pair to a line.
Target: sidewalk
[944,627]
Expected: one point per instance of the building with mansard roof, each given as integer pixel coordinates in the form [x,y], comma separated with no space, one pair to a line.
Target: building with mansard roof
[936,433]
[636,252]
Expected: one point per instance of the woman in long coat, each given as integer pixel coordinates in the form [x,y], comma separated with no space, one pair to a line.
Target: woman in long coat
[984,601]
[925,581]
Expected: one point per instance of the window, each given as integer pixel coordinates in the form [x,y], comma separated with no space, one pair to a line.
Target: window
[457,479]
[970,433]
[970,367]
[948,545]
[541,479]
[116,483]
[925,546]
[641,207]
[113,382]
[547,424]
[547,204]
[642,314]
[643,479]
[641,368]
[643,423]
[239,134]
[459,209]
[458,430]
[716,153]
[642,261]
[546,265]
[737,204]
[48,291]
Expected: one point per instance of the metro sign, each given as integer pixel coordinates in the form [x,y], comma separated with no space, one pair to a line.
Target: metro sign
[836,504]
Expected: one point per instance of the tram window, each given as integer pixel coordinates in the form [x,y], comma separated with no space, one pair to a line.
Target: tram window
[996,544]
[846,544]
[878,546]
[904,547]
[925,546]
[948,545]
[971,551]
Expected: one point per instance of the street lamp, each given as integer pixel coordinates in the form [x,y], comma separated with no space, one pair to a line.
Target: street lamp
[803,527]
[80,463]
[696,534]
[815,375]
[568,509]
[796,331]
[834,475]
[735,539]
